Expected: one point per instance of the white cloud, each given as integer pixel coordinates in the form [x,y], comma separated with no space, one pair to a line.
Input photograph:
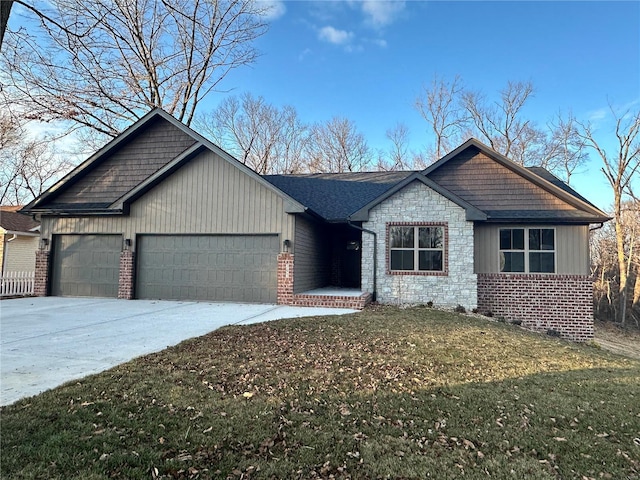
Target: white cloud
[381,42]
[304,54]
[382,12]
[272,9]
[335,36]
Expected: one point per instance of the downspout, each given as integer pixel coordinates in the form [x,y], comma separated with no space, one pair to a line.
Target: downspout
[596,227]
[375,256]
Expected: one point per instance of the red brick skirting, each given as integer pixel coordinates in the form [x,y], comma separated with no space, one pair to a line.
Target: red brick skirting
[331,301]
[555,304]
[42,273]
[285,295]
[125,280]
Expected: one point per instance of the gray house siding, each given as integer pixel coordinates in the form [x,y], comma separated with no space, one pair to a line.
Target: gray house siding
[572,248]
[312,256]
[207,195]
[129,164]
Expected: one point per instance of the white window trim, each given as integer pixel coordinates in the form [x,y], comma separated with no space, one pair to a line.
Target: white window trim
[526,250]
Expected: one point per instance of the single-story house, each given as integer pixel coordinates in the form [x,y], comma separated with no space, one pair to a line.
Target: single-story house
[19,240]
[162,213]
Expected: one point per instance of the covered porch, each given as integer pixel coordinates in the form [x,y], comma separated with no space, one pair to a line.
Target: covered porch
[325,269]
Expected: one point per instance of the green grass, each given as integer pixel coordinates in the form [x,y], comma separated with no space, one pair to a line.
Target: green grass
[386,393]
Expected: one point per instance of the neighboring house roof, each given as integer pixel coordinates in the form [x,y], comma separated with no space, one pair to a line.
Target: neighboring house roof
[335,196]
[13,222]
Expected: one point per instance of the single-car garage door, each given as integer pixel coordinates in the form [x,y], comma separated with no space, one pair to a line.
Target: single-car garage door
[224,268]
[86,265]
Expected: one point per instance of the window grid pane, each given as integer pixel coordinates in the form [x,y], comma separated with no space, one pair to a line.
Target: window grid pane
[430,260]
[540,250]
[427,255]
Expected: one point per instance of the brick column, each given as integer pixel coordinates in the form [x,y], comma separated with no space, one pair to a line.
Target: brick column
[285,279]
[42,273]
[125,280]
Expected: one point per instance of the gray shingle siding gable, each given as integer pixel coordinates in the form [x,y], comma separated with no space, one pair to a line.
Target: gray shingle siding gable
[129,165]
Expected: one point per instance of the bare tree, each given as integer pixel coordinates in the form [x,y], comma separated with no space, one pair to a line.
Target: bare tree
[5,11]
[398,156]
[563,150]
[27,166]
[502,124]
[439,104]
[619,168]
[455,114]
[105,63]
[337,146]
[266,138]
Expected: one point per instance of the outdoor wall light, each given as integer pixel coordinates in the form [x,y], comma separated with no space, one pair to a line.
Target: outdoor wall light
[286,245]
[44,243]
[127,243]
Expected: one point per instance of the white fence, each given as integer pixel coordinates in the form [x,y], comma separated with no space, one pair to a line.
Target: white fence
[17,283]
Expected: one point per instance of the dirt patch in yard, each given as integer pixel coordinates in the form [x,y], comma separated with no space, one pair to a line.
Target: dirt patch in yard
[617,340]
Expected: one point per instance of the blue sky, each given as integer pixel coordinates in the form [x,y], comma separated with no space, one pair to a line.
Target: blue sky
[367,61]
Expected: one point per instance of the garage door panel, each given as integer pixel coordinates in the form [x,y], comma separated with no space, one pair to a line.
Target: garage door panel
[86,265]
[208,267]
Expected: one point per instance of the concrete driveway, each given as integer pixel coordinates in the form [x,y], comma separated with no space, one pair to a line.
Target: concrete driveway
[48,341]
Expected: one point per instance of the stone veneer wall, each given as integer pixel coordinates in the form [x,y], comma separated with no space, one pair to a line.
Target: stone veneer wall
[543,303]
[418,203]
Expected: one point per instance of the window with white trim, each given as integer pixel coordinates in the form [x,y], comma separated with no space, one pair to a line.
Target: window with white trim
[416,248]
[527,250]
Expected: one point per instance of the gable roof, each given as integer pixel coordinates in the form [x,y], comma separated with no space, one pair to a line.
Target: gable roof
[472,213]
[562,204]
[119,177]
[157,145]
[13,222]
[335,196]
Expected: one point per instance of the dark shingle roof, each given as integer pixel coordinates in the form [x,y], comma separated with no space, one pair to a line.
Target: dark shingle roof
[16,222]
[335,196]
[564,216]
[551,178]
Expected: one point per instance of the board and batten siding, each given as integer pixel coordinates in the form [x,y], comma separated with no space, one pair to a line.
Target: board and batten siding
[207,195]
[312,256]
[572,248]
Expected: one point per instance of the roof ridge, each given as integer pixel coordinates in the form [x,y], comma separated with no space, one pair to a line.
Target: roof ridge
[371,172]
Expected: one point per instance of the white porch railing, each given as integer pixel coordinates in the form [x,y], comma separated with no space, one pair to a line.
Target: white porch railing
[17,283]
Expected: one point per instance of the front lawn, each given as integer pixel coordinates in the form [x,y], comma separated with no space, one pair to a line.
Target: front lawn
[385,393]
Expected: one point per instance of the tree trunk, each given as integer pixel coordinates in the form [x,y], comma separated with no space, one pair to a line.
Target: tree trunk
[5,11]
[636,290]
[622,264]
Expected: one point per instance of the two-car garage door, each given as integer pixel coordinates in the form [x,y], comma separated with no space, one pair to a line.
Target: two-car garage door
[230,268]
[238,268]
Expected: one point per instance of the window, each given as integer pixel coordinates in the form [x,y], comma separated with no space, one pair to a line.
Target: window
[416,248]
[535,255]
